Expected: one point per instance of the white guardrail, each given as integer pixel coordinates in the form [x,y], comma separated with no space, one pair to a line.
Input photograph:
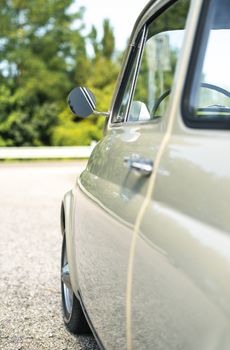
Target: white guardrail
[46,152]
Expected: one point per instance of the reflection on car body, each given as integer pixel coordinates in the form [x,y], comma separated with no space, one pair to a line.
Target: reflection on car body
[146,247]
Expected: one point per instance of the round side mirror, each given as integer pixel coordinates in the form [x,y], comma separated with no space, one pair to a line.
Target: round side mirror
[82,102]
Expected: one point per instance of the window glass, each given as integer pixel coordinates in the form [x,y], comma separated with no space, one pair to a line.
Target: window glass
[160,55]
[127,92]
[211,97]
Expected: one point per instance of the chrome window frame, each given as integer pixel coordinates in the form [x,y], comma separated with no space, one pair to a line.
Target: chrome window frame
[149,14]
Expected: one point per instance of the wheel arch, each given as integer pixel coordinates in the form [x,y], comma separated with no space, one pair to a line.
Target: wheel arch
[62,218]
[67,212]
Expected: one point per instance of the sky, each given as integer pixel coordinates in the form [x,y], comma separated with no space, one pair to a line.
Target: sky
[121,13]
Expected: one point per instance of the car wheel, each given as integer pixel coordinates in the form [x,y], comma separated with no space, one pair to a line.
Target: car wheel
[73,315]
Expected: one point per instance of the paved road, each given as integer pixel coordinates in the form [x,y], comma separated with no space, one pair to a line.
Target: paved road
[30,240]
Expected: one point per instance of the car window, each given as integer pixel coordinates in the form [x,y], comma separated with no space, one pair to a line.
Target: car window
[209,99]
[147,93]
[156,75]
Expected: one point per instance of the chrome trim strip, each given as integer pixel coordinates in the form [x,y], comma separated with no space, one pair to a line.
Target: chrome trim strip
[88,97]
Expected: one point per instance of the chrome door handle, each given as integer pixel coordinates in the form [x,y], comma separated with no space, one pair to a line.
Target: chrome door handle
[140,165]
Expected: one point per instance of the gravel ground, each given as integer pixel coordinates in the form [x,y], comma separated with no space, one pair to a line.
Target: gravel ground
[30,243]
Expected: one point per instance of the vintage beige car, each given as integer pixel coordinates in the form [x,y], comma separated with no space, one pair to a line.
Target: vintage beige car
[146,245]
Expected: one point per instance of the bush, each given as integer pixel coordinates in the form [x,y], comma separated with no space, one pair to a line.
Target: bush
[80,134]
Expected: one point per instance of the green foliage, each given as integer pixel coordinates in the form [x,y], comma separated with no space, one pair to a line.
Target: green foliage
[76,134]
[108,41]
[104,48]
[69,133]
[42,57]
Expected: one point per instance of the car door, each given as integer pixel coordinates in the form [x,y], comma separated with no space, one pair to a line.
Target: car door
[111,191]
[181,272]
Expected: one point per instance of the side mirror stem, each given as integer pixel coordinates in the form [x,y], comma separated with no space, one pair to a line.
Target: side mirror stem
[105,114]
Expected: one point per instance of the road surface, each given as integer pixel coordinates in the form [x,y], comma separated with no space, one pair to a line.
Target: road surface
[30,243]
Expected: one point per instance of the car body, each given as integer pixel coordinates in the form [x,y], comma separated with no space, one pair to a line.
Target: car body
[146,246]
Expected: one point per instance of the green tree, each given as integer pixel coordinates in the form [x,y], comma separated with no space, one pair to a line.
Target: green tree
[108,40]
[39,55]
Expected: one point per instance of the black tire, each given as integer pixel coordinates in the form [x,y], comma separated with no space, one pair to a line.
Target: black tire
[73,315]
